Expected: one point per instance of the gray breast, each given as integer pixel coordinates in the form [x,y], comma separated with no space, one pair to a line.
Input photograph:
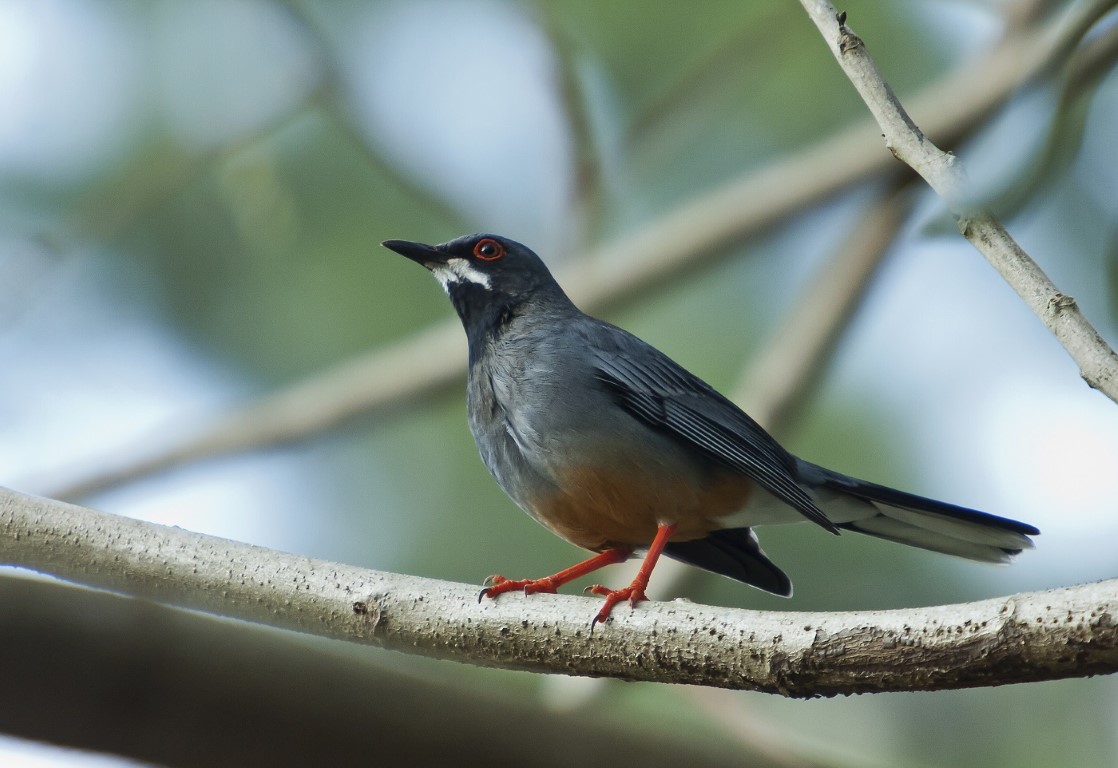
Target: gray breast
[537,410]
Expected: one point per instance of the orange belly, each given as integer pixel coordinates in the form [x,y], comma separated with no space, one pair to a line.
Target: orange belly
[597,508]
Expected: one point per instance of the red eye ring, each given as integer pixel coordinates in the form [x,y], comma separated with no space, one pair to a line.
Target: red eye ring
[489,249]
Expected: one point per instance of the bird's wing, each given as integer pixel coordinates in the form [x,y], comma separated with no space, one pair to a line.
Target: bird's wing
[667,397]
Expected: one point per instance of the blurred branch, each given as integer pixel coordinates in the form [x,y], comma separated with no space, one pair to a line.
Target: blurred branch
[96,671]
[786,369]
[698,231]
[727,58]
[330,97]
[752,724]
[1070,632]
[1085,71]
[586,209]
[165,169]
[944,172]
[410,369]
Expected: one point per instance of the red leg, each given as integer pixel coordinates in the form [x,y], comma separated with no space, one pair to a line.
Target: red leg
[634,593]
[499,584]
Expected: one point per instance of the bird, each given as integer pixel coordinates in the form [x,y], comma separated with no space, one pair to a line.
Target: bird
[615,447]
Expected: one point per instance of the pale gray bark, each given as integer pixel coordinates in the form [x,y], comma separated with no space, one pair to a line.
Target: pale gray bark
[102,672]
[1070,632]
[944,172]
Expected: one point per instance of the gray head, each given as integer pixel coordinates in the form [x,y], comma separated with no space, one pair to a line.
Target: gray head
[489,279]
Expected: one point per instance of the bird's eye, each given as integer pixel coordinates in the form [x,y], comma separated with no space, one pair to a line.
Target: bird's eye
[489,249]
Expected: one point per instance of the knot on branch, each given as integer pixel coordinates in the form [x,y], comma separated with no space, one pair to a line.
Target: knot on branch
[1061,303]
[848,41]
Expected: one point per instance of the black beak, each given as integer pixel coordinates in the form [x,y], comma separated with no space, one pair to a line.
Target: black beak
[418,252]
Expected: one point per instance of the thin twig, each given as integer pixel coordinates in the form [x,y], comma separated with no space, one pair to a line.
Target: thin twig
[1070,632]
[944,172]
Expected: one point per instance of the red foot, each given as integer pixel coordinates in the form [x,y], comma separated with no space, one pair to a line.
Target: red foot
[499,585]
[634,593]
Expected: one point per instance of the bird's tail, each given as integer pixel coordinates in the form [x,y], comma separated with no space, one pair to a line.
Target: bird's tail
[732,552]
[875,510]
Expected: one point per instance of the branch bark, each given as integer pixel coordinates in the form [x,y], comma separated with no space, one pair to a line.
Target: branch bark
[1070,632]
[944,173]
[97,671]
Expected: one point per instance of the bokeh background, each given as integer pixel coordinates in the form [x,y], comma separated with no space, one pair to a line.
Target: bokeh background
[191,200]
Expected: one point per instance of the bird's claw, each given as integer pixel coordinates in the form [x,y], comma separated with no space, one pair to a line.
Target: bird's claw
[634,593]
[499,585]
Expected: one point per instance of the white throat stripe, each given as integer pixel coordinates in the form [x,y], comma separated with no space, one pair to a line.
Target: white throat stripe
[458,271]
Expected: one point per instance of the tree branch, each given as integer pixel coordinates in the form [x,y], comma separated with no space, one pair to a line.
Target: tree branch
[97,671]
[1070,632]
[944,172]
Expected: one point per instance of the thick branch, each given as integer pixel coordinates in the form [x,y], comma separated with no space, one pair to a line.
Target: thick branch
[944,172]
[98,671]
[1071,632]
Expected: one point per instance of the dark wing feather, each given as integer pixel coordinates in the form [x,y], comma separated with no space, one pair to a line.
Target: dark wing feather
[667,397]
